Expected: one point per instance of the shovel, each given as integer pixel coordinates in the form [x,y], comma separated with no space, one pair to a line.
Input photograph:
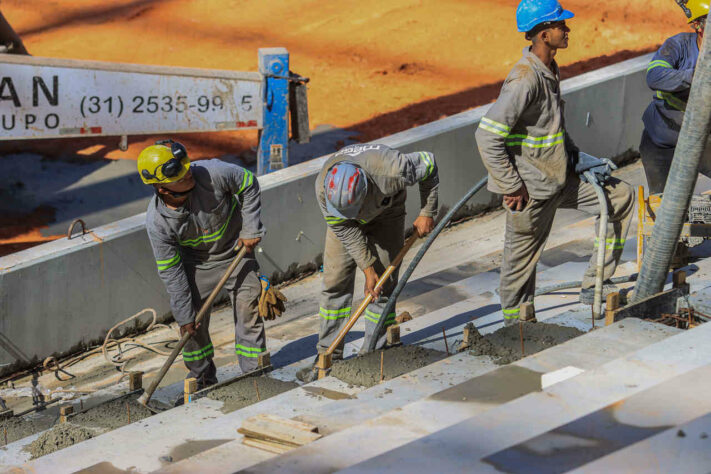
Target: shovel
[143,399]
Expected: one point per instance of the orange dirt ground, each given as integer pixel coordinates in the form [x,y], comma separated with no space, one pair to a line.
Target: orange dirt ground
[376,67]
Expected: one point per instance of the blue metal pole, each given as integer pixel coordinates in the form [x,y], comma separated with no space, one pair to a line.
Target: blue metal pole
[274,137]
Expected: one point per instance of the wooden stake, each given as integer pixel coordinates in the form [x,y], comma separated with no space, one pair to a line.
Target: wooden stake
[64,412]
[189,387]
[382,360]
[520,333]
[264,360]
[135,381]
[323,364]
[393,335]
[128,412]
[256,389]
[444,334]
[81,405]
[5,430]
[613,302]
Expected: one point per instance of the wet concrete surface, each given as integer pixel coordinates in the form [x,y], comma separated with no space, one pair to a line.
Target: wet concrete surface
[365,370]
[84,425]
[504,345]
[60,437]
[247,391]
[18,428]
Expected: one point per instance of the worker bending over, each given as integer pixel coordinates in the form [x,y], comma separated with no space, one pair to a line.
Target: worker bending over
[534,163]
[198,215]
[669,74]
[361,191]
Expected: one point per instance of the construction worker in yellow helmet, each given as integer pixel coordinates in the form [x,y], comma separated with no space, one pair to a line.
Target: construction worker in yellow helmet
[669,75]
[199,213]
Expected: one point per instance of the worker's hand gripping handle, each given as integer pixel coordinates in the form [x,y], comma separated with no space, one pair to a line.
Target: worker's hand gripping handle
[381,281]
[184,339]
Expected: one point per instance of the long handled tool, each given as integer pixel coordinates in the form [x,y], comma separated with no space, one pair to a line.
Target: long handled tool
[324,362]
[143,400]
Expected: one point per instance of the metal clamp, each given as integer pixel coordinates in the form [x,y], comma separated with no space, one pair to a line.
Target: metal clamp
[71,227]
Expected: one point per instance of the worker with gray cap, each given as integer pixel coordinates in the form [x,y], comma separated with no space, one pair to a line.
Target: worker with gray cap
[361,191]
[535,165]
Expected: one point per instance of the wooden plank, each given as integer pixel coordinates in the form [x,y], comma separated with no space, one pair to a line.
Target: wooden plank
[275,448]
[649,308]
[280,430]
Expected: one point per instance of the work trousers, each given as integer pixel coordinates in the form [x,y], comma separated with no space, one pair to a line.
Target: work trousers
[243,288]
[657,163]
[528,230]
[385,237]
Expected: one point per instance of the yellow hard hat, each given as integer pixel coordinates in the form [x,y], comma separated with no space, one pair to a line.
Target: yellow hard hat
[694,9]
[162,164]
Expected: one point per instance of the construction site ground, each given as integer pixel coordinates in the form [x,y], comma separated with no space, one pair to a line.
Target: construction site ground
[376,68]
[455,284]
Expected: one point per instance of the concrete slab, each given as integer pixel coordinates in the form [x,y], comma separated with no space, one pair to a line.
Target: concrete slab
[464,445]
[429,415]
[611,429]
[683,448]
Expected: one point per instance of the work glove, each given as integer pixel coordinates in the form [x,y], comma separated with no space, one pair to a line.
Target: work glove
[599,168]
[271,301]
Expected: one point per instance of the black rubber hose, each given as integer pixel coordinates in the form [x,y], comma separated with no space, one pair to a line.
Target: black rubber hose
[680,182]
[390,305]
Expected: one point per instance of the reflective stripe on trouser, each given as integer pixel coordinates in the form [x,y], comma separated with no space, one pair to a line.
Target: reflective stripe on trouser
[372,315]
[386,237]
[244,289]
[198,353]
[528,230]
[657,163]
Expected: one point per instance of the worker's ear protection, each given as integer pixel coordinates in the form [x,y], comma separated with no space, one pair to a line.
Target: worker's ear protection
[172,167]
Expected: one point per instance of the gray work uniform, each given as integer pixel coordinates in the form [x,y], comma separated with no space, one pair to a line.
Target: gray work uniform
[194,245]
[374,237]
[522,141]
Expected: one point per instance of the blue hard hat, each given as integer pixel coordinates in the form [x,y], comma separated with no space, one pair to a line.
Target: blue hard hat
[531,13]
[345,186]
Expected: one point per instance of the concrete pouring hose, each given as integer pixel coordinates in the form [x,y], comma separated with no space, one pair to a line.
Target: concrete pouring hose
[601,246]
[390,305]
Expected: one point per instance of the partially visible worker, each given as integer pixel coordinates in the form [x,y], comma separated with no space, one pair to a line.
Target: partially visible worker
[670,74]
[198,215]
[361,191]
[534,163]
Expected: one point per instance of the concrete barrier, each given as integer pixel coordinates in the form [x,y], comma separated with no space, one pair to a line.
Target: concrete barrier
[59,296]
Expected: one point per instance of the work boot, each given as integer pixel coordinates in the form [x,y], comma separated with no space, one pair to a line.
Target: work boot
[587,295]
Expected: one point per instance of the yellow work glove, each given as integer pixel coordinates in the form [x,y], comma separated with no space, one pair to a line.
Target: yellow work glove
[271,301]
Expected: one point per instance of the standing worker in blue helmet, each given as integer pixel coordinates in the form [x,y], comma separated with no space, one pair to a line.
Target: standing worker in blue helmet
[361,191]
[200,212]
[669,75]
[535,165]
